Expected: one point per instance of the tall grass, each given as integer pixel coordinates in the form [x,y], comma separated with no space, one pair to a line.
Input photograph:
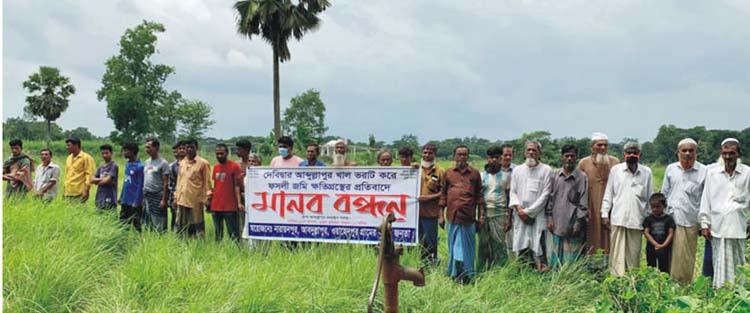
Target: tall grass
[62,257]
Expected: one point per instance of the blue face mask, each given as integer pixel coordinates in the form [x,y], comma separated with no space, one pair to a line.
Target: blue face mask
[283,152]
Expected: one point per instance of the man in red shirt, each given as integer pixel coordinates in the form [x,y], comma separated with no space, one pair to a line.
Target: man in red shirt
[225,197]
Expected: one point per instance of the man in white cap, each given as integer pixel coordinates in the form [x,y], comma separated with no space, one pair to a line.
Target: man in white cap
[683,187]
[597,167]
[723,212]
[626,204]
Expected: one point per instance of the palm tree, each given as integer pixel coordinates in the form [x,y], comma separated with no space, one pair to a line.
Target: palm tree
[276,21]
[49,92]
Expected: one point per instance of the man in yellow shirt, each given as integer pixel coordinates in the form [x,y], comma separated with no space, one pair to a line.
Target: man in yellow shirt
[79,168]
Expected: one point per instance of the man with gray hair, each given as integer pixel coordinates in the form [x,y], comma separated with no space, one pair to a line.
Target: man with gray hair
[597,168]
[339,156]
[626,205]
[683,187]
[530,186]
[723,212]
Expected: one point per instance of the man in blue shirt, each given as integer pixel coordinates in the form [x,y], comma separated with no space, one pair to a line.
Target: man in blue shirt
[131,196]
[313,150]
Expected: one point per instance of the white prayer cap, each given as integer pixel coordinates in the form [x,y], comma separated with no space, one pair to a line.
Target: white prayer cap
[729,140]
[599,136]
[687,141]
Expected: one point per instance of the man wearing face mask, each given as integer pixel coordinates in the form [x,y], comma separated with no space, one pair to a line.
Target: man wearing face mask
[432,181]
[723,212]
[625,205]
[683,187]
[529,191]
[597,168]
[567,209]
[286,156]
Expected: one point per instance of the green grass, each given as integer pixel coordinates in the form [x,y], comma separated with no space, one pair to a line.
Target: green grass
[68,258]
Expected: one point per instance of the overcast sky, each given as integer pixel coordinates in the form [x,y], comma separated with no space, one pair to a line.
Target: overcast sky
[437,69]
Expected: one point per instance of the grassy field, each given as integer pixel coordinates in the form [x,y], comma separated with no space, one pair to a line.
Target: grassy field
[63,257]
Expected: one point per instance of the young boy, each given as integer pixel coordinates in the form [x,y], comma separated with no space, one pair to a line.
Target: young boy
[659,229]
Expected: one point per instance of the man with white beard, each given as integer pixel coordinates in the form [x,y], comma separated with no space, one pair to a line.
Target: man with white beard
[339,156]
[626,204]
[683,187]
[529,190]
[597,167]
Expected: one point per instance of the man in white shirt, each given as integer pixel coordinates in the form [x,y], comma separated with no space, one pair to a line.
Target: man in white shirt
[529,191]
[626,205]
[723,212]
[683,187]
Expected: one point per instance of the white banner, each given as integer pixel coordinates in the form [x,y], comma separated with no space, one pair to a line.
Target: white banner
[331,204]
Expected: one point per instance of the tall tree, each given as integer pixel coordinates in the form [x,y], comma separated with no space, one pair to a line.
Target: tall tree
[49,92]
[133,86]
[194,118]
[276,21]
[305,116]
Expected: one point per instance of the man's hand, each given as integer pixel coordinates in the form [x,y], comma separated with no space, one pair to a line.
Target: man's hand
[658,246]
[482,220]
[605,222]
[441,222]
[523,216]
[241,207]
[85,196]
[163,204]
[551,225]
[576,229]
[706,232]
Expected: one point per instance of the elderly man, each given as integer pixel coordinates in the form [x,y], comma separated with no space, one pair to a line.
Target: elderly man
[339,156]
[79,169]
[493,244]
[286,157]
[432,180]
[625,206]
[17,170]
[193,184]
[462,195]
[723,212]
[385,158]
[567,209]
[683,187]
[529,191]
[597,168]
[313,151]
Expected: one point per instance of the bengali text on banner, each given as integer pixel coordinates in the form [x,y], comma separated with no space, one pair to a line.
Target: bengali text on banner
[331,204]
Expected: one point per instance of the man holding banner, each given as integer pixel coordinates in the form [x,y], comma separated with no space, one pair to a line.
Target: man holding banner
[461,195]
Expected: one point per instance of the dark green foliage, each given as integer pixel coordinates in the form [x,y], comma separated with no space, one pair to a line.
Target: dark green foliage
[48,95]
[647,290]
[133,87]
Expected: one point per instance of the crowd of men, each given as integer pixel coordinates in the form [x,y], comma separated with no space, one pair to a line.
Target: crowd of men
[544,217]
